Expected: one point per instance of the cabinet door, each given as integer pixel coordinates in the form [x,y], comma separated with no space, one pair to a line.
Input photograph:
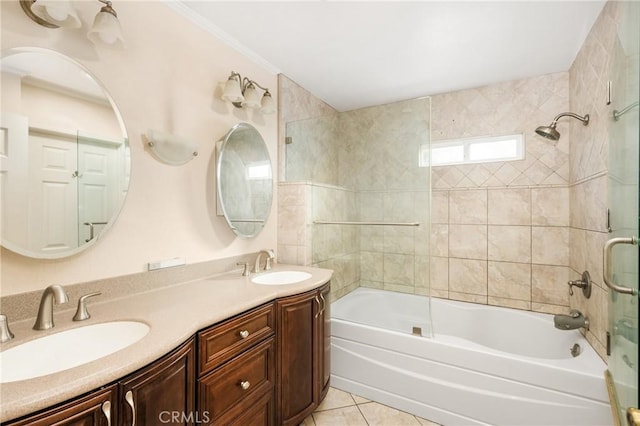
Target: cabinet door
[163,392]
[296,346]
[95,409]
[323,346]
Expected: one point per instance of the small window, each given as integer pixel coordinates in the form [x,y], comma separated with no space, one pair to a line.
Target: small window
[475,150]
[258,170]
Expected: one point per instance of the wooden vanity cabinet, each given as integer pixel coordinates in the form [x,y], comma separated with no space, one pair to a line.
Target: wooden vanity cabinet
[302,341]
[236,376]
[162,392]
[267,366]
[99,408]
[154,393]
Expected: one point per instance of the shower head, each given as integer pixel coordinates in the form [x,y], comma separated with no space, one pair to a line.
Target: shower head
[550,131]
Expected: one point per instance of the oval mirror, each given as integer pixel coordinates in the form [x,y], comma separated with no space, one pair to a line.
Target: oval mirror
[65,155]
[244,180]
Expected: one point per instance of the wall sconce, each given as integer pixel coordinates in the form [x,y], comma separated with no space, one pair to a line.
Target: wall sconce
[242,92]
[171,149]
[61,14]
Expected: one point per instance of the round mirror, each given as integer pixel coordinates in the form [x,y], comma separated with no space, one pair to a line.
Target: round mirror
[65,155]
[244,180]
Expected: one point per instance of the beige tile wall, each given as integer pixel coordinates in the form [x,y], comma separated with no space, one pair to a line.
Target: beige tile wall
[491,246]
[500,231]
[506,108]
[589,75]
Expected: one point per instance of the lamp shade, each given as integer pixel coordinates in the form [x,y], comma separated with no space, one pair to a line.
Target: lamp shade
[171,149]
[57,12]
[106,28]
[268,105]
[251,97]
[232,92]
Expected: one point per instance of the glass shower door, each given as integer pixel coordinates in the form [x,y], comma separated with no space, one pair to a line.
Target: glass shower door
[621,262]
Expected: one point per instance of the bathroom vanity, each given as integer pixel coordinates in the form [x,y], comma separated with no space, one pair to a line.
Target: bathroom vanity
[230,352]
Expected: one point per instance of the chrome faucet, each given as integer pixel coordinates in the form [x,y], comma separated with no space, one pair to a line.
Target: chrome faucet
[45,312]
[267,263]
[573,321]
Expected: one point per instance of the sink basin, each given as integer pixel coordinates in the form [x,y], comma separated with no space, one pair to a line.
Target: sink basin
[68,349]
[281,277]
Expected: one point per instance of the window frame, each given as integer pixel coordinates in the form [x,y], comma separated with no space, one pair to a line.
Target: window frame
[466,143]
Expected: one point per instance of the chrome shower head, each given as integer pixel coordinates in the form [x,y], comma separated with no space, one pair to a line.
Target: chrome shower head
[550,131]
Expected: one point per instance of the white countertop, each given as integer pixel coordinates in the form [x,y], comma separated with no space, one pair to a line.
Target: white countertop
[174,313]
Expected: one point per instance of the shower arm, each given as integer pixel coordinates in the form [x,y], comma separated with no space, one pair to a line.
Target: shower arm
[585,119]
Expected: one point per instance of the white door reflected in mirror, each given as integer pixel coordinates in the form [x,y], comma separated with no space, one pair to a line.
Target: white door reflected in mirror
[65,155]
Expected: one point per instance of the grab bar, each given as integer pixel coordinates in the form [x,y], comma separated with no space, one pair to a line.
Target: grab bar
[91,225]
[606,264]
[332,222]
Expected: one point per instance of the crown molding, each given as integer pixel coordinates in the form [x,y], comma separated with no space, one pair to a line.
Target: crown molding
[180,7]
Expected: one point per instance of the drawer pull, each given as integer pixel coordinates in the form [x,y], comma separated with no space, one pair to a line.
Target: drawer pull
[129,398]
[244,334]
[245,384]
[106,410]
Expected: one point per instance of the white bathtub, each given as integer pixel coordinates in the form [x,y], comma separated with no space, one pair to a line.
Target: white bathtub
[484,365]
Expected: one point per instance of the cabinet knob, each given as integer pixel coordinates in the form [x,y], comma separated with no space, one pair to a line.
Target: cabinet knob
[245,384]
[244,334]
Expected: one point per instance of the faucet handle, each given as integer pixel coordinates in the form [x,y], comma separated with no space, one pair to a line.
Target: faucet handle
[82,313]
[245,268]
[5,332]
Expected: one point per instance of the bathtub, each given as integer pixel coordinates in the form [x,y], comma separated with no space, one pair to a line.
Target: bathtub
[479,365]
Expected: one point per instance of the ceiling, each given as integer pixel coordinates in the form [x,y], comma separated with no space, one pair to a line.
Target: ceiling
[358,54]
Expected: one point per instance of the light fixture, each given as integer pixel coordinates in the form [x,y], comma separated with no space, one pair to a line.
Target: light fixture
[52,13]
[242,93]
[61,14]
[171,149]
[106,27]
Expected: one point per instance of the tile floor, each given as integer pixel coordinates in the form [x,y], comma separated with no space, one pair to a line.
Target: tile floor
[341,408]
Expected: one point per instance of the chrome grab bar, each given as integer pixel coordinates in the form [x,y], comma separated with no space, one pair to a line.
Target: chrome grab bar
[606,264]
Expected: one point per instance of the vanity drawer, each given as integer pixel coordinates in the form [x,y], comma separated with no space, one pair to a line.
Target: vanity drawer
[222,342]
[230,390]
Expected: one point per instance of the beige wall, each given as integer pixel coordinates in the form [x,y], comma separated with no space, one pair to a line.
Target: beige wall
[500,231]
[589,75]
[168,79]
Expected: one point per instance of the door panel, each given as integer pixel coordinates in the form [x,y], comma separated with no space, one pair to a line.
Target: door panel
[623,174]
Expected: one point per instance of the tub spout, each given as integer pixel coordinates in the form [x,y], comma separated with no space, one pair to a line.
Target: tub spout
[573,321]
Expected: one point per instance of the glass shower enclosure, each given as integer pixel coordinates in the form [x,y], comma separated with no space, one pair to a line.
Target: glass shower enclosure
[367,178]
[621,251]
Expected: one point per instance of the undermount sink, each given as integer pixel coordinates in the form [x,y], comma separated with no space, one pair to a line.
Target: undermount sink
[68,349]
[281,277]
